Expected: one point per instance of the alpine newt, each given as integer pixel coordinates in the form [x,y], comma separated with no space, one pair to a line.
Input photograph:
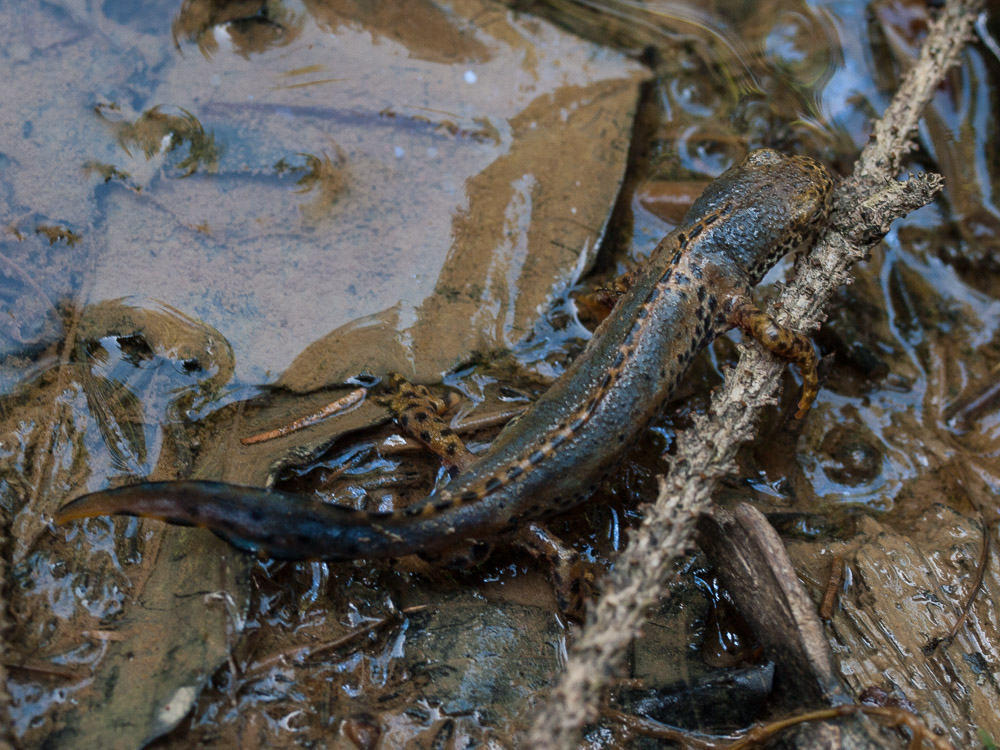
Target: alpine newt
[694,287]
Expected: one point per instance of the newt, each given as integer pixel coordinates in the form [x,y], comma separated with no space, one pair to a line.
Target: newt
[695,286]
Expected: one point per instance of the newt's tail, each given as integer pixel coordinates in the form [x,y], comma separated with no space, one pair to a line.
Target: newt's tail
[270,523]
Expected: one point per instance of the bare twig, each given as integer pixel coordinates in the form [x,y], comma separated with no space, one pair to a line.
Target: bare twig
[865,205]
[977,585]
[971,491]
[826,607]
[756,736]
[339,406]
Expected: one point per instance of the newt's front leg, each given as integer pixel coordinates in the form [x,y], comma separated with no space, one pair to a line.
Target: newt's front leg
[780,341]
[418,413]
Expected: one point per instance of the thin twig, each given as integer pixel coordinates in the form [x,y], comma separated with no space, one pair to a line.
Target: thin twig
[964,412]
[864,207]
[49,670]
[961,478]
[832,587]
[339,406]
[315,649]
[984,563]
[756,736]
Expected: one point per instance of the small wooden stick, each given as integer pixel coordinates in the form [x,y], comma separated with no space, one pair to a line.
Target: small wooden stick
[984,563]
[334,407]
[890,716]
[832,587]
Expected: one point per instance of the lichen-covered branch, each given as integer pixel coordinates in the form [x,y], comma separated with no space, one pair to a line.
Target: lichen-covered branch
[865,204]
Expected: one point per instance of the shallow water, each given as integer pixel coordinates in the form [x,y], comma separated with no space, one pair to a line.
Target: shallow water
[198,205]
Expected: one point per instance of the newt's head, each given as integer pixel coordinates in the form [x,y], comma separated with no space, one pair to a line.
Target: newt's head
[771,203]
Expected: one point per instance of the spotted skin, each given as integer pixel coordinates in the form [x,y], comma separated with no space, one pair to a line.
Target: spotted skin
[418,412]
[572,579]
[782,342]
[694,287]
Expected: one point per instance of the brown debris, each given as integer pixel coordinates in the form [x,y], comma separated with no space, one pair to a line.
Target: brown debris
[829,602]
[751,561]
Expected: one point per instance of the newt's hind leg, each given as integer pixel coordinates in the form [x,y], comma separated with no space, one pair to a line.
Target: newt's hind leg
[782,342]
[572,580]
[419,415]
